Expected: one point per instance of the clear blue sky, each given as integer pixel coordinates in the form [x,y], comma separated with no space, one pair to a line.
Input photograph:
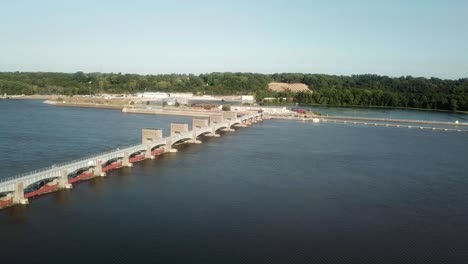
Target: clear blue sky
[419,38]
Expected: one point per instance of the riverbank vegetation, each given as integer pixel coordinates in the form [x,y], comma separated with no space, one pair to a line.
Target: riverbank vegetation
[360,90]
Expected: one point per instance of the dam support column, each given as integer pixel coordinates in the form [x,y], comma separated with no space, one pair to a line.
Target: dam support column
[176,130]
[63,180]
[18,197]
[149,136]
[148,154]
[168,147]
[198,124]
[126,160]
[214,121]
[194,139]
[213,133]
[98,169]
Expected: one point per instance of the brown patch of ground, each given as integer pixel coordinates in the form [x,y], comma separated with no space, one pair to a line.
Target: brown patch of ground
[293,87]
[93,100]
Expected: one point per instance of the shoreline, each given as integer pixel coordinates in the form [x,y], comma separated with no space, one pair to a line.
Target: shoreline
[55,97]
[150,111]
[369,107]
[33,97]
[361,119]
[190,112]
[183,111]
[85,105]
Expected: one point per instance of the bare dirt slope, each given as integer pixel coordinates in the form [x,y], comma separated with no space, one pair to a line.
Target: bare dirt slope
[293,87]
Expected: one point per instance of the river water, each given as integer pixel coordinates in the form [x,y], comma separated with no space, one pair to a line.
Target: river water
[276,192]
[389,113]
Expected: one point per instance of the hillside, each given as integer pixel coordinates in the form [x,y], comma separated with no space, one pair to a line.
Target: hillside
[334,90]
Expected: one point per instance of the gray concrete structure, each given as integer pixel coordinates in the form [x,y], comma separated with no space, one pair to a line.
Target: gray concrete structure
[216,119]
[63,181]
[231,116]
[98,169]
[150,135]
[151,139]
[126,160]
[200,123]
[177,129]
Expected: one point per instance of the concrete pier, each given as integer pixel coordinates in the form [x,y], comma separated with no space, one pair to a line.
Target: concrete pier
[18,196]
[126,160]
[63,181]
[98,169]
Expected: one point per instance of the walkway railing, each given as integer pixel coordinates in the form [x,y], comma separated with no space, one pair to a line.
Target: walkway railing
[65,163]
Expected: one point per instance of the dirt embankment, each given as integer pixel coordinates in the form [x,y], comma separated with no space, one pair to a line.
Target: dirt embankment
[130,105]
[82,101]
[94,100]
[293,87]
[34,97]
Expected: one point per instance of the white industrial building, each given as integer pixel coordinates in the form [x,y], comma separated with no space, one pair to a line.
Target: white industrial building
[160,95]
[153,95]
[180,95]
[247,98]
[269,110]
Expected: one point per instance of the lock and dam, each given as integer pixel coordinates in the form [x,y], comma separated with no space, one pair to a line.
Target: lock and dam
[19,189]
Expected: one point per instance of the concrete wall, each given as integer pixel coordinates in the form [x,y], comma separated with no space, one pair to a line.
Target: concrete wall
[149,135]
[199,123]
[230,116]
[178,128]
[216,119]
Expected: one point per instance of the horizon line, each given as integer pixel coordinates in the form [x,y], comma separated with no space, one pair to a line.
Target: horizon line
[245,72]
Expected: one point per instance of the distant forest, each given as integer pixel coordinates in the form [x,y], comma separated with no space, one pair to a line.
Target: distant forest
[355,90]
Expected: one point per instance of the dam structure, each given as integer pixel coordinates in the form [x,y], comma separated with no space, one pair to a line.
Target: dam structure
[18,189]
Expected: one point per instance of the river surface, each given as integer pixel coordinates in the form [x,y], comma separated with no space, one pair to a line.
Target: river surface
[388,113]
[276,192]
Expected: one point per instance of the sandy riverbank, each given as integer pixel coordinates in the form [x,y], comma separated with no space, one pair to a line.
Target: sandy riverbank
[178,111]
[83,104]
[34,97]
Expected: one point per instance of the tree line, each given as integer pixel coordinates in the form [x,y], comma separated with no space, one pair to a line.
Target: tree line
[333,90]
